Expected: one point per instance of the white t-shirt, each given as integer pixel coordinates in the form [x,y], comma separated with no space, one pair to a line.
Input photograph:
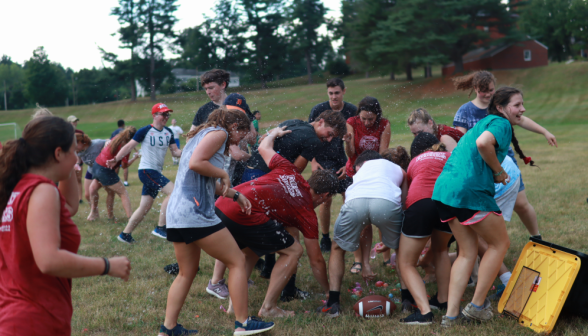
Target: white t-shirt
[377,179]
[177,131]
[154,144]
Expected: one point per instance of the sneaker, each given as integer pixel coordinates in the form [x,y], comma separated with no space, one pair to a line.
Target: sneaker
[436,305]
[220,290]
[474,313]
[496,296]
[172,269]
[126,238]
[252,326]
[332,311]
[160,231]
[298,294]
[177,330]
[325,244]
[461,319]
[417,318]
[126,183]
[471,283]
[407,307]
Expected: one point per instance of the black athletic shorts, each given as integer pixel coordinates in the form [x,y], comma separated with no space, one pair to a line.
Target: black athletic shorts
[421,218]
[464,216]
[263,239]
[189,235]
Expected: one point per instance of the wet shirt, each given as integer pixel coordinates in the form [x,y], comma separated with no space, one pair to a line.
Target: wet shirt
[332,154]
[446,130]
[422,174]
[154,144]
[303,141]
[467,181]
[89,155]
[468,115]
[364,139]
[105,155]
[191,204]
[282,195]
[203,112]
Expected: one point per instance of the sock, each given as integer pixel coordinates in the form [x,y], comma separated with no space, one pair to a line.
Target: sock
[538,236]
[333,297]
[244,323]
[405,295]
[505,277]
[325,235]
[478,307]
[291,285]
[451,317]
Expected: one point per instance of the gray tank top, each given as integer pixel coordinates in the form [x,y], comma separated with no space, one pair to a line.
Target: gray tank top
[191,204]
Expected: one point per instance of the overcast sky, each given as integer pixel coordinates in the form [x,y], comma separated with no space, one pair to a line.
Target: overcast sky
[72,30]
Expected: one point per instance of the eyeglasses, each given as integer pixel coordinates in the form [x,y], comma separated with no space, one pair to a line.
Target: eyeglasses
[164,114]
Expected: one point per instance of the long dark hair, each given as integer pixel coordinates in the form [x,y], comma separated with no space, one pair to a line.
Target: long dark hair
[121,139]
[370,104]
[476,80]
[502,98]
[40,137]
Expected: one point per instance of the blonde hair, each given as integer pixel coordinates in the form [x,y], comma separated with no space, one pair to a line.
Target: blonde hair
[422,115]
[41,112]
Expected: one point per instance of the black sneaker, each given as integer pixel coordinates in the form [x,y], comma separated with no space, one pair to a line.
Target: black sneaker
[126,238]
[298,294]
[172,269]
[259,264]
[417,318]
[177,330]
[325,244]
[436,305]
[332,311]
[266,272]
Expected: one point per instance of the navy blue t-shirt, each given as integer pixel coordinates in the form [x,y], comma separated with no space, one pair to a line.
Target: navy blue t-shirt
[468,115]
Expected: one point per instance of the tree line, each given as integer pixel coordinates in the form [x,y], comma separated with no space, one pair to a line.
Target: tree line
[268,40]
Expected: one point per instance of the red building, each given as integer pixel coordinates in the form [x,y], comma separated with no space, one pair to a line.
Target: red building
[519,55]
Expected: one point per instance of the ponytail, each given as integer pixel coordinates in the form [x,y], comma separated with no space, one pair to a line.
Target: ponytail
[224,118]
[40,137]
[121,139]
[476,80]
[502,98]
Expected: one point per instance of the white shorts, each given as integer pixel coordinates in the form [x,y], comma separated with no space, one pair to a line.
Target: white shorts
[506,201]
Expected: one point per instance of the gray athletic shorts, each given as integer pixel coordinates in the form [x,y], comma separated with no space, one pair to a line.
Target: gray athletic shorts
[506,201]
[358,213]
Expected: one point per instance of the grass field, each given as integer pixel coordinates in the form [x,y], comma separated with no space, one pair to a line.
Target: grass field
[555,96]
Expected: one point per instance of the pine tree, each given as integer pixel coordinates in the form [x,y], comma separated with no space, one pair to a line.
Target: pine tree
[308,16]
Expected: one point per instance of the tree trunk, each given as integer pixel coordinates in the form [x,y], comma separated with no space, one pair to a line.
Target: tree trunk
[392,76]
[308,66]
[408,71]
[458,61]
[367,74]
[133,88]
[152,56]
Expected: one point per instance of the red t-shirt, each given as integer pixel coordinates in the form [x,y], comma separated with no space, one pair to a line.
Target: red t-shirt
[282,195]
[446,130]
[105,155]
[364,139]
[32,303]
[422,174]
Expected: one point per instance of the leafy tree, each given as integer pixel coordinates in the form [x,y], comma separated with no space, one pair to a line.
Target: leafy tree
[12,80]
[158,19]
[97,86]
[45,81]
[198,49]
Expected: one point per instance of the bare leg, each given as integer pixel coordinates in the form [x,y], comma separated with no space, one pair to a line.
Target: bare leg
[87,184]
[410,250]
[526,213]
[358,254]
[442,263]
[219,271]
[121,191]
[365,243]
[325,216]
[463,265]
[386,255]
[94,187]
[285,267]
[139,214]
[336,267]
[126,174]
[79,177]
[166,190]
[482,248]
[110,203]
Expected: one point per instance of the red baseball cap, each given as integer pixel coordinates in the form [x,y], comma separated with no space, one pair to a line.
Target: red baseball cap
[160,108]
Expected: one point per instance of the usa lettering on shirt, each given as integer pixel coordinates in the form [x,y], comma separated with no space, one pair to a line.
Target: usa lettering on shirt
[289,184]
[156,138]
[8,214]
[432,155]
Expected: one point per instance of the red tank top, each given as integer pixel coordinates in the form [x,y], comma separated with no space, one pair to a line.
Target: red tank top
[105,155]
[364,139]
[446,130]
[32,303]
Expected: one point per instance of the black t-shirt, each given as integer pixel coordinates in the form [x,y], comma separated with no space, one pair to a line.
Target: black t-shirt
[303,141]
[203,112]
[332,154]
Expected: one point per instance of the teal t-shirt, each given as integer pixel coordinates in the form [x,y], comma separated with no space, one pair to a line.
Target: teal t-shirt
[467,181]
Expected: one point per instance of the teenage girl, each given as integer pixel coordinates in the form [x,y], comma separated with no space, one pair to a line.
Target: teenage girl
[38,239]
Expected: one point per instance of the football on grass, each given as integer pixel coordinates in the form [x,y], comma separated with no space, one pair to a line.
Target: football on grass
[374,306]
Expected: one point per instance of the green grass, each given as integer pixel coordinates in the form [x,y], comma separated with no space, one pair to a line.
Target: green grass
[555,96]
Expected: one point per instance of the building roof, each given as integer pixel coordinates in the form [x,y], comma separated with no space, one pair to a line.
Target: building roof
[487,52]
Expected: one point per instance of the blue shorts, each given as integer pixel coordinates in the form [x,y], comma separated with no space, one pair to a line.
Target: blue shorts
[251,174]
[512,156]
[89,174]
[177,143]
[105,176]
[152,181]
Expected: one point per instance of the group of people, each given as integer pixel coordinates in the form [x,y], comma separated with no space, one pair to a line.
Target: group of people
[240,196]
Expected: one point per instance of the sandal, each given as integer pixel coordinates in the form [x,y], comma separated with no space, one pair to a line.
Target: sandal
[356,268]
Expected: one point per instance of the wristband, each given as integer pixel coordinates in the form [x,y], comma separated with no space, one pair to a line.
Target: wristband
[236,196]
[499,173]
[106,266]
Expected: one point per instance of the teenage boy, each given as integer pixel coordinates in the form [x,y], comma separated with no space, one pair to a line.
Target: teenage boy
[155,139]
[215,82]
[282,204]
[332,155]
[121,127]
[177,133]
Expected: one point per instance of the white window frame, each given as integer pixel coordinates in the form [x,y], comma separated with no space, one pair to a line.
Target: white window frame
[527,55]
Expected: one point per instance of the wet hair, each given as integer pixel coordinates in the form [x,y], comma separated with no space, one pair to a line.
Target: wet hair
[367,155]
[224,118]
[84,139]
[502,98]
[335,120]
[120,123]
[397,155]
[218,76]
[335,82]
[476,80]
[41,112]
[40,138]
[424,142]
[422,115]
[370,104]
[323,181]
[121,139]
